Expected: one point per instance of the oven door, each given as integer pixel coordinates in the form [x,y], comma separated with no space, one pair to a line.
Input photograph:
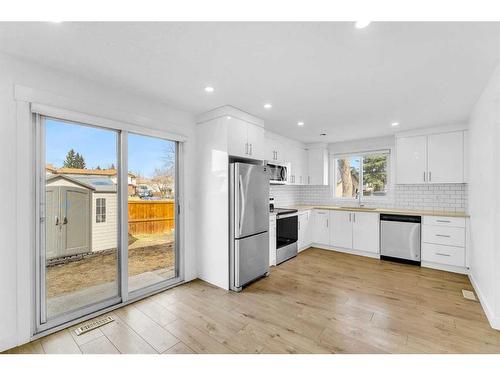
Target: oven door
[287,230]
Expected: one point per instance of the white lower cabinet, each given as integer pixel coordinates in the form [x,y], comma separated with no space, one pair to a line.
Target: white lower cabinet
[341,229]
[320,227]
[444,242]
[272,240]
[346,230]
[355,230]
[304,235]
[442,254]
[366,232]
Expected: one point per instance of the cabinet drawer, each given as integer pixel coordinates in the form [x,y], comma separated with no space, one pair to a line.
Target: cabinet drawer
[451,255]
[445,220]
[443,235]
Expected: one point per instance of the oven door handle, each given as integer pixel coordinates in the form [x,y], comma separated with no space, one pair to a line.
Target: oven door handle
[286,215]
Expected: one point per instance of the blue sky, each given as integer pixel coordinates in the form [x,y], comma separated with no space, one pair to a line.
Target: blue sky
[99,147]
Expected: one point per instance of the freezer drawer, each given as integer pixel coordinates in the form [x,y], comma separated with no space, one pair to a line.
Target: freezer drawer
[251,258]
[400,240]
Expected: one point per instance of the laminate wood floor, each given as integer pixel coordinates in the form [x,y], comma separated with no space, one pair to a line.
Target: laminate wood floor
[319,302]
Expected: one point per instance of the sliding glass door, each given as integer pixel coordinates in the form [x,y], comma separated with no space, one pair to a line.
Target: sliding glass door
[79,219]
[152,210]
[104,238]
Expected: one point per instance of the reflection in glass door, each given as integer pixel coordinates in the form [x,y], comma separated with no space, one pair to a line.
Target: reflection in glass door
[152,185]
[78,256]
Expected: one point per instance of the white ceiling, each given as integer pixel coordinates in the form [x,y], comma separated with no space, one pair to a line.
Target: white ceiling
[349,83]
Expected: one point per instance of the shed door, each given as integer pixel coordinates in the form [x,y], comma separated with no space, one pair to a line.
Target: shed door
[52,219]
[75,224]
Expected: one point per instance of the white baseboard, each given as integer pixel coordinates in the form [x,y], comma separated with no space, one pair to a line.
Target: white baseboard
[494,321]
[347,251]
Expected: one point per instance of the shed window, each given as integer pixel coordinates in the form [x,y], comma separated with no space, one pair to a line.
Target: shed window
[100,210]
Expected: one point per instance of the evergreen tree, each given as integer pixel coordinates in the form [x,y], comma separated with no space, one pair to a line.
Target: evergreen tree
[74,160]
[70,159]
[80,161]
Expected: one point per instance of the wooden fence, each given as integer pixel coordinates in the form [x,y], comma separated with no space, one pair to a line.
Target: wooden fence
[151,217]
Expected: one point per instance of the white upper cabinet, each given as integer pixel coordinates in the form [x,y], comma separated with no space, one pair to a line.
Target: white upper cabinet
[237,143]
[245,139]
[256,142]
[341,229]
[446,158]
[275,151]
[434,158]
[290,153]
[411,164]
[317,166]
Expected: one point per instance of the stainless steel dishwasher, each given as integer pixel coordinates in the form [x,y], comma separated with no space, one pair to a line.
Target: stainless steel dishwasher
[400,238]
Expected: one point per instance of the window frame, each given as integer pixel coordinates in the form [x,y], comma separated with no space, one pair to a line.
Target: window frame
[100,210]
[362,154]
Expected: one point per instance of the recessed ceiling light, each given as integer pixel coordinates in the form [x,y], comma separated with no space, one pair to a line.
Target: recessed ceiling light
[209,89]
[268,106]
[361,24]
[395,124]
[228,117]
[300,123]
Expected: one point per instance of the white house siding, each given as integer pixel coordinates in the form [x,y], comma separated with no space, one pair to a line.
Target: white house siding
[105,235]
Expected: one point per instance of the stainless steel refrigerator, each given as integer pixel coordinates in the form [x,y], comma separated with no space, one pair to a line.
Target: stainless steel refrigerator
[248,223]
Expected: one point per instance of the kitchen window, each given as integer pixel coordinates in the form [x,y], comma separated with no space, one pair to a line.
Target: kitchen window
[362,174]
[100,210]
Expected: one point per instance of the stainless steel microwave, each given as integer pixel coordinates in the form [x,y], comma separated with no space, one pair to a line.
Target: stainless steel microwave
[278,174]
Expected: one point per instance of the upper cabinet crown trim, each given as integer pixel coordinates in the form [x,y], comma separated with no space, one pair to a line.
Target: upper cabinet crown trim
[228,110]
[432,130]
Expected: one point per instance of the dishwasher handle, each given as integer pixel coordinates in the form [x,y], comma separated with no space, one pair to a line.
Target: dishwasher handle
[401,218]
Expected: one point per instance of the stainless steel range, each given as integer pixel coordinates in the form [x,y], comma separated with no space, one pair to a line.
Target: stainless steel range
[287,225]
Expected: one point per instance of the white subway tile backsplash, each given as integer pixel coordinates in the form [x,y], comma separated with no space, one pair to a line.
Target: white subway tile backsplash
[433,197]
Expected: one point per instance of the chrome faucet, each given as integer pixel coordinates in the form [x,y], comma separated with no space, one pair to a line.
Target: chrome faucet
[358,197]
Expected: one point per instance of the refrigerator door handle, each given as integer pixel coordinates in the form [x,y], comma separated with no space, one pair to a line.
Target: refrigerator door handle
[241,203]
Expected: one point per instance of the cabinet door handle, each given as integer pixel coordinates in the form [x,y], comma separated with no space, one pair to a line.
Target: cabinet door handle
[246,148]
[443,235]
[443,221]
[250,149]
[443,254]
[354,217]
[327,223]
[349,216]
[430,176]
[424,176]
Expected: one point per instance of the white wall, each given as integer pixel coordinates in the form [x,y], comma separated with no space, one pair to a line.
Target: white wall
[105,234]
[484,199]
[16,155]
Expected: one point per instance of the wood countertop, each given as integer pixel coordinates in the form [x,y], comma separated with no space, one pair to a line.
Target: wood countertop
[397,211]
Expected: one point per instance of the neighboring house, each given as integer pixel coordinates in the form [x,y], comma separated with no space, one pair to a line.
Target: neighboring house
[80,197]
